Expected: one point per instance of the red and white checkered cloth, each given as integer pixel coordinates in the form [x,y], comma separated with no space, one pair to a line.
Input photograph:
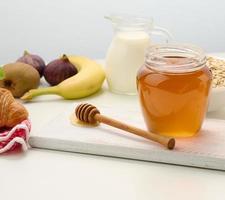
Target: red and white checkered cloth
[16,137]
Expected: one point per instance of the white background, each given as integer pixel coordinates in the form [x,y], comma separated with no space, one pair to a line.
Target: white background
[53,27]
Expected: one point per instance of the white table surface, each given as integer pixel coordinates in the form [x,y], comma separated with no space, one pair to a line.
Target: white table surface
[43,174]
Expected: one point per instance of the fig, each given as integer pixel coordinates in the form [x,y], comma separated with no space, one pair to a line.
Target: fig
[58,70]
[19,78]
[34,60]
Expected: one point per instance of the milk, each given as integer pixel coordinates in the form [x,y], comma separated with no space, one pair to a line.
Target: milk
[124,57]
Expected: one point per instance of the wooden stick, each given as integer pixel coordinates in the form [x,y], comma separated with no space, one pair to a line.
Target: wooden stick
[90,114]
[167,142]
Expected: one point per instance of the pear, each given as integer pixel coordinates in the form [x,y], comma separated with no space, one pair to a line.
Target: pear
[19,78]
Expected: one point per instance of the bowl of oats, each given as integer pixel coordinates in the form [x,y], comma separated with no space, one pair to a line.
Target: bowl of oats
[217,97]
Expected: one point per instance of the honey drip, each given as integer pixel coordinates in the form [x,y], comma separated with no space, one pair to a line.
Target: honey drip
[76,122]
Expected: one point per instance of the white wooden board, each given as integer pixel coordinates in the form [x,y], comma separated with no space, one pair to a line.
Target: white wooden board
[206,151]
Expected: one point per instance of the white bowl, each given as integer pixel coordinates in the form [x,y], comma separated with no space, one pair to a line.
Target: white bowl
[217,99]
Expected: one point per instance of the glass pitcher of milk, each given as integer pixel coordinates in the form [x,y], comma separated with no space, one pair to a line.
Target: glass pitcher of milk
[132,36]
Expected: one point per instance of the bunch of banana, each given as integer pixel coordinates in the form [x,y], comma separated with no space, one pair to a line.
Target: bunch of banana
[87,81]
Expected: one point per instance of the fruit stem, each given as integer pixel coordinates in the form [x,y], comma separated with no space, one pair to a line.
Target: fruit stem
[65,58]
[26,53]
[40,91]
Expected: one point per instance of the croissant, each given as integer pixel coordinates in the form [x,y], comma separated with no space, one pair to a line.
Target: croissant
[11,111]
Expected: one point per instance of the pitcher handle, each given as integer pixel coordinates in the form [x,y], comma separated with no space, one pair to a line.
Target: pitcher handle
[162,32]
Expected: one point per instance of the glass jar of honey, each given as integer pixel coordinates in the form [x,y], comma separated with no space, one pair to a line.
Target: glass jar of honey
[173,86]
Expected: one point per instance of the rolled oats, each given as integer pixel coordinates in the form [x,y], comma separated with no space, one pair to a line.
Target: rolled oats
[217,67]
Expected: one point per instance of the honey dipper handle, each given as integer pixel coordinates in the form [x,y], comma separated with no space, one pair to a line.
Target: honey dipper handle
[166,141]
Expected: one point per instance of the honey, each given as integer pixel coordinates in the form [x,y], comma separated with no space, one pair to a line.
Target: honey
[174,86]
[76,122]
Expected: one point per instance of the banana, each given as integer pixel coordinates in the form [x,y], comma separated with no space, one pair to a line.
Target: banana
[87,81]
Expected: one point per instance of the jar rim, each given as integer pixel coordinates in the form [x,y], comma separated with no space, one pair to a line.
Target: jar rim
[192,57]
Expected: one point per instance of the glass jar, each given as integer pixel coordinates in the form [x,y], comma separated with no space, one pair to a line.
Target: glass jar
[132,36]
[173,86]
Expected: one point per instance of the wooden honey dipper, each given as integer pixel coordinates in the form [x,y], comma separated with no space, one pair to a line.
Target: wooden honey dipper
[90,114]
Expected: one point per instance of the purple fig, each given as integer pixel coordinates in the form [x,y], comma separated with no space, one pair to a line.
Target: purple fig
[58,70]
[34,60]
